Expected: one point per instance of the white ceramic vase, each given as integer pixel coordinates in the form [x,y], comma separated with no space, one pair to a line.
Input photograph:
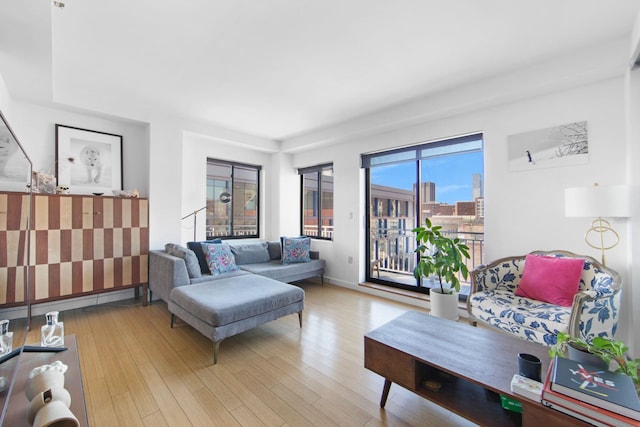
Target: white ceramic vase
[444,305]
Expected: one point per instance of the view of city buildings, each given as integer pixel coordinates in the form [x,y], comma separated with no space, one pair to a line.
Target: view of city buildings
[393,217]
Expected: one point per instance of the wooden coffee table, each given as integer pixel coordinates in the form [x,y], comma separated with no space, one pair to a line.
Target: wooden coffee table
[416,346]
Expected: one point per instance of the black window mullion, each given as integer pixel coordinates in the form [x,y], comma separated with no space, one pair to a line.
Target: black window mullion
[417,209]
[319,195]
[233,201]
[230,188]
[317,198]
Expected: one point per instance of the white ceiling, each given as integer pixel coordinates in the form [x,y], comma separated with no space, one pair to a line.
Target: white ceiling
[281,68]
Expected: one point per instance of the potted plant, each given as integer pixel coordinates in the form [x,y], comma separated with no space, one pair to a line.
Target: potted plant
[605,349]
[445,258]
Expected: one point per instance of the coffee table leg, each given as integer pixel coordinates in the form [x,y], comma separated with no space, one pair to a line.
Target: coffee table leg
[385,392]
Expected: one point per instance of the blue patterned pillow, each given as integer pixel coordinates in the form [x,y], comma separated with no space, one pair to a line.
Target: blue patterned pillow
[219,258]
[295,249]
[196,247]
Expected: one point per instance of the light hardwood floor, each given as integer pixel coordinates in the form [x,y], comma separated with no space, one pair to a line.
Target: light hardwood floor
[137,371]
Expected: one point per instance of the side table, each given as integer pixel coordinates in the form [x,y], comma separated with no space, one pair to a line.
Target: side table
[17,412]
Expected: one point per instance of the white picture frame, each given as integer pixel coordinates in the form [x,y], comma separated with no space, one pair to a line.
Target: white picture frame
[557,146]
[87,161]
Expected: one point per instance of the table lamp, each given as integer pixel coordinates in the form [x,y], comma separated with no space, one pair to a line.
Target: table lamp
[599,202]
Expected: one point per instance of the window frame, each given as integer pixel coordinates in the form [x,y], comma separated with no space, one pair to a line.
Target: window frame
[318,169]
[233,165]
[415,153]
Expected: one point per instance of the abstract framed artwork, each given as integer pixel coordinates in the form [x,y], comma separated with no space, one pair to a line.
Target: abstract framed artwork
[557,146]
[87,161]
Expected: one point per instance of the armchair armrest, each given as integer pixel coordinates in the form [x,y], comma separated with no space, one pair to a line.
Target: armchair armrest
[595,313]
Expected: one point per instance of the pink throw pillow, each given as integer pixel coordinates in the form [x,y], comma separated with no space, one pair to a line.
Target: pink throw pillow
[551,279]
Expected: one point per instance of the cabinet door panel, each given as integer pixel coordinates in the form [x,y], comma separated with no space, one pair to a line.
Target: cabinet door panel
[80,245]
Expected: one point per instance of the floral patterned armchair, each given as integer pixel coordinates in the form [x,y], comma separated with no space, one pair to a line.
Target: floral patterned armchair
[594,312]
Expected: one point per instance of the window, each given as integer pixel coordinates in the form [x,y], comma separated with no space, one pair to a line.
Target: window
[232,199]
[441,180]
[317,201]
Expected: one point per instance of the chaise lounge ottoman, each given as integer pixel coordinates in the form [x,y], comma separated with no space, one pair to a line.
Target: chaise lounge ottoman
[226,307]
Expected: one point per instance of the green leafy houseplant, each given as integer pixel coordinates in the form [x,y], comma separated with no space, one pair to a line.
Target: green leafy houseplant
[440,255]
[607,349]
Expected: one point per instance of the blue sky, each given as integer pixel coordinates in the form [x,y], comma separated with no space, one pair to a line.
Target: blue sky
[452,175]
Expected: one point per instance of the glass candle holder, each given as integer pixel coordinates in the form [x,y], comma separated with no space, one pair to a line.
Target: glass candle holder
[6,338]
[52,333]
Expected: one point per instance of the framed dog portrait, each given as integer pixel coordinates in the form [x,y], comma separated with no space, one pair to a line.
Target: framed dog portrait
[87,161]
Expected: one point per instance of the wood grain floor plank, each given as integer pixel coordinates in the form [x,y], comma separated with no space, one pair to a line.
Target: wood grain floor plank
[171,410]
[139,371]
[102,408]
[216,386]
[125,409]
[261,410]
[218,414]
[187,401]
[273,401]
[155,420]
[246,417]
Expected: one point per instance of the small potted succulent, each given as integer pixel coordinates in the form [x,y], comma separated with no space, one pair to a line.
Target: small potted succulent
[445,258]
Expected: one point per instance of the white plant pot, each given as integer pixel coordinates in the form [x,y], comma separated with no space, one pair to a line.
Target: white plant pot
[444,305]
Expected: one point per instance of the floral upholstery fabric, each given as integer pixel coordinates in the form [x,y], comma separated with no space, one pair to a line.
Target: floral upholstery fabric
[219,258]
[527,318]
[493,301]
[295,249]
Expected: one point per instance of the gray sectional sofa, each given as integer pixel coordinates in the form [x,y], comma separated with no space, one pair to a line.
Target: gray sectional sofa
[167,272]
[224,304]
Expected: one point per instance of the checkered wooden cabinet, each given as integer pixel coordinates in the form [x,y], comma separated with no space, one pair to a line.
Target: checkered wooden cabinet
[79,245]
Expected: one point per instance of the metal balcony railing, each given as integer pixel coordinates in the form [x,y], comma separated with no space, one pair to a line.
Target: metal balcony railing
[393,251]
[312,231]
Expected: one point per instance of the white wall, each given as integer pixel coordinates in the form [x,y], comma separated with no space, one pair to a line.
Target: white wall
[524,210]
[283,190]
[35,127]
[633,154]
[165,182]
[5,99]
[196,149]
[165,160]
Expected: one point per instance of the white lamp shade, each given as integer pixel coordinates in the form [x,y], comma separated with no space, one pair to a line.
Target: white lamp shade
[597,201]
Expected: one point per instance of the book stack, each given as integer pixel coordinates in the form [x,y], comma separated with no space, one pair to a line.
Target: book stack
[596,396]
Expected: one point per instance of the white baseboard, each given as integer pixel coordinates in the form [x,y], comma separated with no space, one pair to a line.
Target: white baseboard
[387,295]
[417,302]
[68,304]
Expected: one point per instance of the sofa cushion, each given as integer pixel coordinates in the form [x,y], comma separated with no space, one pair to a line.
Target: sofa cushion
[283,272]
[231,300]
[206,278]
[219,258]
[550,279]
[196,247]
[275,250]
[295,249]
[251,253]
[530,319]
[189,257]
